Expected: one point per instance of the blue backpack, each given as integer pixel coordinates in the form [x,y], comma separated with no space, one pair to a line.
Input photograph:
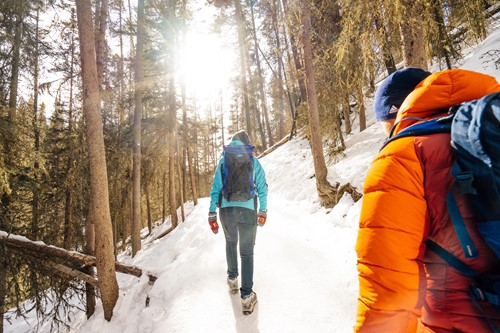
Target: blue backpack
[237,173]
[475,140]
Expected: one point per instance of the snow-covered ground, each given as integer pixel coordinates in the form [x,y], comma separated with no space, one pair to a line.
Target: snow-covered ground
[305,264]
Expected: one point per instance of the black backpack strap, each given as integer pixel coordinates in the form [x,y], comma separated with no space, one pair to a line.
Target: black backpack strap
[456,217]
[453,261]
[219,202]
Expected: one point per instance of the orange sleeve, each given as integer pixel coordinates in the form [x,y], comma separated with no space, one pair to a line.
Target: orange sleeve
[390,246]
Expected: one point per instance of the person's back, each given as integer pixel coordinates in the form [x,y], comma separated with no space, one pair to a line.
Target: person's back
[239,190]
[405,204]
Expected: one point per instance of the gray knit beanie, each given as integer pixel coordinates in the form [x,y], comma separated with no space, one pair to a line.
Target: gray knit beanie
[242,136]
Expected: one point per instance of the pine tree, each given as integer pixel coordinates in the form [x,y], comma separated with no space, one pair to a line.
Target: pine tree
[98,178]
[136,175]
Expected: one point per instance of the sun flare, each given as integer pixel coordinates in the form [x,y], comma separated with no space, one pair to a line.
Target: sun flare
[206,65]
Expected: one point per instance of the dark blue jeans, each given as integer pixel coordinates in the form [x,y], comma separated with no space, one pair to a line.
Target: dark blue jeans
[242,222]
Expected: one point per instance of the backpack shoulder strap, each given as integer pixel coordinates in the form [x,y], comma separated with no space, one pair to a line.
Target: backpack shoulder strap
[424,127]
[457,221]
[450,259]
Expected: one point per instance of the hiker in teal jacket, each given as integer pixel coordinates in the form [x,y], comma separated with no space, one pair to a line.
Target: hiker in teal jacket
[240,219]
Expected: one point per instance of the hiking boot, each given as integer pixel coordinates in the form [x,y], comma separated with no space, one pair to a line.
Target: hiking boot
[233,285]
[248,303]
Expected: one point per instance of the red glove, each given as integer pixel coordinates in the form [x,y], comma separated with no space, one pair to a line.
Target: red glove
[262,217]
[212,221]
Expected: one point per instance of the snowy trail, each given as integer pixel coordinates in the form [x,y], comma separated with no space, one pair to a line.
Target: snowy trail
[304,277]
[297,267]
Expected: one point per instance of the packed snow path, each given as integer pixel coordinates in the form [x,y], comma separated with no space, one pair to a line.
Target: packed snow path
[304,277]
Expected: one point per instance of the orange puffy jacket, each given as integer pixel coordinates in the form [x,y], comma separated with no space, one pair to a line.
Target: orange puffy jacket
[403,287]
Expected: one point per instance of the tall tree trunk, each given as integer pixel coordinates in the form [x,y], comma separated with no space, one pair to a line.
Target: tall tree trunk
[68,204]
[122,123]
[172,114]
[6,197]
[184,173]
[90,250]
[281,65]
[193,161]
[192,176]
[3,282]
[213,138]
[121,74]
[389,62]
[325,190]
[338,130]
[444,44]
[36,131]
[360,98]
[240,20]
[281,93]
[136,175]
[101,19]
[68,209]
[132,48]
[296,60]
[16,61]
[187,148]
[291,101]
[148,208]
[260,79]
[35,209]
[263,99]
[164,196]
[172,200]
[126,225]
[281,104]
[186,131]
[99,198]
[412,34]
[181,160]
[4,263]
[172,143]
[117,186]
[223,140]
[181,181]
[346,111]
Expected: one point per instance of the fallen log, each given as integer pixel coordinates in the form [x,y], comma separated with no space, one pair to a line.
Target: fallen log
[72,272]
[163,234]
[355,195]
[41,249]
[275,146]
